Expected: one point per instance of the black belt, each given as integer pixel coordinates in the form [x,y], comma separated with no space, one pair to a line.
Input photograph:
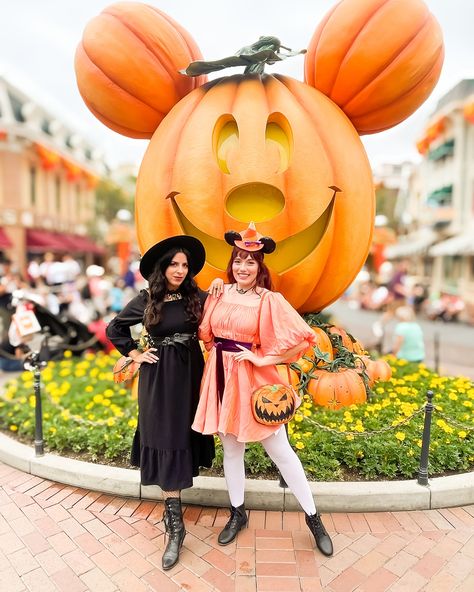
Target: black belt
[175,340]
[229,345]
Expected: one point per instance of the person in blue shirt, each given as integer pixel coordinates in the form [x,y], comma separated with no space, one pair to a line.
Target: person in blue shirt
[408,343]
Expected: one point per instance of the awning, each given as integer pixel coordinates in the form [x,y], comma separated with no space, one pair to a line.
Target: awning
[5,242]
[416,243]
[39,241]
[462,244]
[83,244]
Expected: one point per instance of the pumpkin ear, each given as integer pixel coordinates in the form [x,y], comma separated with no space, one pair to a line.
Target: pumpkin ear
[378,60]
[127,67]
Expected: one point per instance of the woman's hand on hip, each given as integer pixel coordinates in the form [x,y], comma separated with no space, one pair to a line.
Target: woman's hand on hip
[249,356]
[147,357]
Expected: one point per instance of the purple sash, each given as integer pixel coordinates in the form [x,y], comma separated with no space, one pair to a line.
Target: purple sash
[221,344]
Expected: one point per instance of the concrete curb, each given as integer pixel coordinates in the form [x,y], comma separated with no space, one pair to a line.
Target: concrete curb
[373,496]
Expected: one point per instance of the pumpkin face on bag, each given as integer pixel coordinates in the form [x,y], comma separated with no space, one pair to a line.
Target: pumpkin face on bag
[273,404]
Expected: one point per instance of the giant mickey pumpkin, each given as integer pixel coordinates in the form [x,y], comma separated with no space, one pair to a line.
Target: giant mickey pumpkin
[270,148]
[224,164]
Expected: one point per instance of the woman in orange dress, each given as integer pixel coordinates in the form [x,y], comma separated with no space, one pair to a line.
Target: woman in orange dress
[249,329]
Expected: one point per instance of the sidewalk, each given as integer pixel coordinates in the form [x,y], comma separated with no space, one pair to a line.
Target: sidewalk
[57,537]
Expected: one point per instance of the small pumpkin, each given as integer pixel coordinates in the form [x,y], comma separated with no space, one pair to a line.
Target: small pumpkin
[274,404]
[377,370]
[323,344]
[378,60]
[334,390]
[346,340]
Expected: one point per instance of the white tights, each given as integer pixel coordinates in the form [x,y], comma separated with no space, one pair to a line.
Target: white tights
[279,450]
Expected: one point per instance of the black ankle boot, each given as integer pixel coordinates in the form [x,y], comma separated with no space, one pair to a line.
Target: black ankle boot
[238,519]
[174,525]
[323,540]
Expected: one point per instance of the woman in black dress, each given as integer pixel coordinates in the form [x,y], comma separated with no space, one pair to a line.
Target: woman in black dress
[165,448]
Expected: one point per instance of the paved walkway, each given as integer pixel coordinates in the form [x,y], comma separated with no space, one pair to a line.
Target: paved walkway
[56,537]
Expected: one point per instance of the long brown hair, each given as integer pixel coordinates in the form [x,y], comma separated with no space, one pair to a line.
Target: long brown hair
[157,288]
[263,280]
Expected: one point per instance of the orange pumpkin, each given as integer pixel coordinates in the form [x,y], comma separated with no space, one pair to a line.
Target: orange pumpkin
[323,343]
[378,60]
[288,375]
[377,370]
[346,340]
[221,164]
[337,389]
[127,67]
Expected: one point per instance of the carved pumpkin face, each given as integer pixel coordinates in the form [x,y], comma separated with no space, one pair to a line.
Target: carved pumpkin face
[268,149]
[273,404]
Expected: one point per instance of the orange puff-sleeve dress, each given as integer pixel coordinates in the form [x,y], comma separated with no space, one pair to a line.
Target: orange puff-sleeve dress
[274,327]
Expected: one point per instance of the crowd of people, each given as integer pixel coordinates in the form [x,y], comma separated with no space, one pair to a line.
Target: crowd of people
[67,289]
[392,286]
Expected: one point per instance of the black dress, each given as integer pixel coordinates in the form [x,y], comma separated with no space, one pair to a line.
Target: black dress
[165,448]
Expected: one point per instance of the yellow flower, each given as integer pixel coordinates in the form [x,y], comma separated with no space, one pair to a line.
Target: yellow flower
[400,436]
[132,423]
[298,417]
[68,354]
[14,428]
[343,427]
[32,401]
[98,398]
[110,422]
[453,396]
[52,430]
[410,452]
[349,437]
[106,403]
[359,454]
[89,388]
[462,434]
[108,393]
[299,445]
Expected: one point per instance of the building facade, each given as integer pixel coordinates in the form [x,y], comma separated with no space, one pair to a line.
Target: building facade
[441,239]
[48,175]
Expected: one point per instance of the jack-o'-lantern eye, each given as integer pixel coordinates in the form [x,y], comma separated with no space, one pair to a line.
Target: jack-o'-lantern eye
[278,135]
[265,400]
[284,398]
[225,138]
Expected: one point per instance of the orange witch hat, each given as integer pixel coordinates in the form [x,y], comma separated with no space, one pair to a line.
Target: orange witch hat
[250,240]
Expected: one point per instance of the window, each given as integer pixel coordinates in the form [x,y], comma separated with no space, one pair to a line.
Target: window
[57,195]
[33,185]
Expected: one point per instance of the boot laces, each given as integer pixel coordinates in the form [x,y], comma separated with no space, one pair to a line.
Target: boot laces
[317,524]
[233,521]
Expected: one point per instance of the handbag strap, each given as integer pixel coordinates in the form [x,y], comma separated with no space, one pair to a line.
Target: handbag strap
[257,336]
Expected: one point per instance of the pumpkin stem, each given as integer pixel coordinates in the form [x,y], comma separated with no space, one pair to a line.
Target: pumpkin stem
[267,50]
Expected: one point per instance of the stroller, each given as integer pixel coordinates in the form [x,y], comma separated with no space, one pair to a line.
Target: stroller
[58,332]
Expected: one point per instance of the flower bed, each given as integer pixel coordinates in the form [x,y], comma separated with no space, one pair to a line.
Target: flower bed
[86,414]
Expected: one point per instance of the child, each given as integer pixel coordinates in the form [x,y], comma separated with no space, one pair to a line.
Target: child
[408,344]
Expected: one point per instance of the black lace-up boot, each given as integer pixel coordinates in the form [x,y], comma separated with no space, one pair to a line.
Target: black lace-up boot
[238,519]
[323,540]
[174,525]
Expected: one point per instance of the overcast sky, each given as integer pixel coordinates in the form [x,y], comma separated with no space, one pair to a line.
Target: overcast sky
[38,39]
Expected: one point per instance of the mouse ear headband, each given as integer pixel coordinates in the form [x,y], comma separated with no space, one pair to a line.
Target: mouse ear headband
[250,240]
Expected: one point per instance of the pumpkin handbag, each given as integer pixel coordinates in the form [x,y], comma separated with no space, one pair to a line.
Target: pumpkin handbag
[275,404]
[125,369]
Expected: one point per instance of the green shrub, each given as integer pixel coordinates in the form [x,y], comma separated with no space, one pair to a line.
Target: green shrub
[87,415]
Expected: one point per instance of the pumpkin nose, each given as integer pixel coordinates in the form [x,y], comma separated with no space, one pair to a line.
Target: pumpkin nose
[254,201]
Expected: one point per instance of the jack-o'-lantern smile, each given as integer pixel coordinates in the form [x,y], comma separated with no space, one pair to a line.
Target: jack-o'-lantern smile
[290,251]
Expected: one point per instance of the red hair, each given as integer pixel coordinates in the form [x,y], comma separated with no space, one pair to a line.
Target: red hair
[264,279]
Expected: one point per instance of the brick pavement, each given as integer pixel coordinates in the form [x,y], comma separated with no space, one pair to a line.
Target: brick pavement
[57,537]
